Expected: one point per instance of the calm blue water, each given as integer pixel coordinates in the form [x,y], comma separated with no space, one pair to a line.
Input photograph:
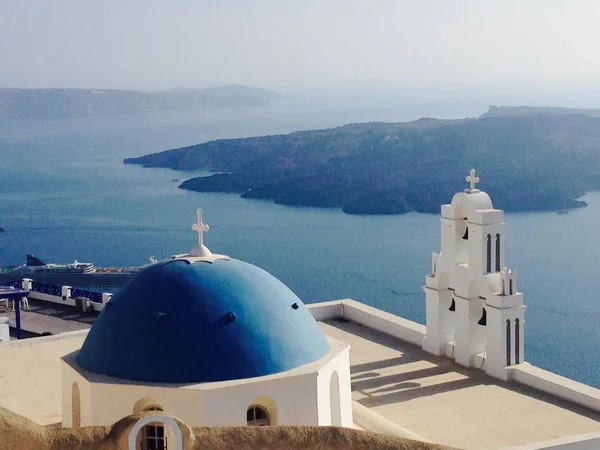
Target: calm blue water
[65,195]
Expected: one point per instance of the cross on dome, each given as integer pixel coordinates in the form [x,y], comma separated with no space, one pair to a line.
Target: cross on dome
[472,180]
[200,228]
[200,252]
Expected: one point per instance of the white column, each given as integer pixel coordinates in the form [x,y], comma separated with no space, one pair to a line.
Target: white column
[462,343]
[440,322]
[477,250]
[66,292]
[4,330]
[497,351]
[26,284]
[495,360]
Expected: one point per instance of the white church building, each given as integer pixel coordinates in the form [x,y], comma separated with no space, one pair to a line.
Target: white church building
[210,340]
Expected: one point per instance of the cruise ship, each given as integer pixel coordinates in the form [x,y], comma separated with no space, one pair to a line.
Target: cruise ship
[36,265]
[80,274]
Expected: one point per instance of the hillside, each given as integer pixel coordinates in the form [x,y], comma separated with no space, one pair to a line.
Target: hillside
[513,111]
[49,103]
[527,163]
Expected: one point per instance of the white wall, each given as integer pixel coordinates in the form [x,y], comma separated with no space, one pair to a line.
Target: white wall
[340,365]
[112,402]
[590,441]
[385,322]
[556,385]
[327,310]
[297,397]
[70,376]
[294,399]
[69,301]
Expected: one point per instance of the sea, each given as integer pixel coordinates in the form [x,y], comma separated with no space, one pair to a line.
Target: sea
[66,195]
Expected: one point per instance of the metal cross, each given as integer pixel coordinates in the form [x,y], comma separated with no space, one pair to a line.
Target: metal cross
[472,179]
[200,228]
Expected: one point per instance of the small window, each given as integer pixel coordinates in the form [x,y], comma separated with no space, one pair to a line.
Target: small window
[508,342]
[257,416]
[153,408]
[497,252]
[517,341]
[489,253]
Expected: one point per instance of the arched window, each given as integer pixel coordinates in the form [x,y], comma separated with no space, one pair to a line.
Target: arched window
[489,253]
[146,404]
[334,400]
[257,416]
[153,434]
[517,341]
[153,408]
[137,434]
[510,283]
[497,252]
[508,342]
[75,406]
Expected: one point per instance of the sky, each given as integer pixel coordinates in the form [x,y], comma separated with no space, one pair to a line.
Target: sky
[302,44]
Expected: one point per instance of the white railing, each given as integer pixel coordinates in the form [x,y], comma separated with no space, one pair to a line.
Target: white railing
[64,295]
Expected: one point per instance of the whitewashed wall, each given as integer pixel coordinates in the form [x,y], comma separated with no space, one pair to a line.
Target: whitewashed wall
[70,376]
[297,397]
[289,400]
[339,365]
[590,441]
[112,402]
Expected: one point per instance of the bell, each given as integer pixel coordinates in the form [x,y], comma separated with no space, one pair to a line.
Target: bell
[483,320]
[452,306]
[466,235]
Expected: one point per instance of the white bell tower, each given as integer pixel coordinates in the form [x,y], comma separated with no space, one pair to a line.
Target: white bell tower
[474,313]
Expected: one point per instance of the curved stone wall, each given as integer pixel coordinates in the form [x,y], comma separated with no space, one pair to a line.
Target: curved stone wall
[19,433]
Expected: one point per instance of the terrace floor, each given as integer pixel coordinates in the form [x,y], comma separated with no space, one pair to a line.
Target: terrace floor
[47,317]
[448,404]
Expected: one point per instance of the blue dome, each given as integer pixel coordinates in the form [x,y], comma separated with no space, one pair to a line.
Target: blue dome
[177,322]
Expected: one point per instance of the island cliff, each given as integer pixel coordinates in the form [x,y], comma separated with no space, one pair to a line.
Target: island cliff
[530,162]
[52,103]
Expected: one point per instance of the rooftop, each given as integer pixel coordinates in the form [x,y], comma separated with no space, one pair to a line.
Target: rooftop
[30,371]
[430,396]
[446,403]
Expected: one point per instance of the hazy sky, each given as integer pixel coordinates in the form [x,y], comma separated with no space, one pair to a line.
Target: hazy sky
[149,44]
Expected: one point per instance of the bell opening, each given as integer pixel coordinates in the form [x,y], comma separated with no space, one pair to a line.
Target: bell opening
[466,235]
[452,305]
[483,320]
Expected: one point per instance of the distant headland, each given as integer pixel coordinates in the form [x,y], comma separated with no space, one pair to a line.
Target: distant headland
[543,159]
[52,103]
[512,111]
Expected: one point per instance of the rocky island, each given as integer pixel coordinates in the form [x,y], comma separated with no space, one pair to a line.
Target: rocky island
[52,103]
[529,162]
